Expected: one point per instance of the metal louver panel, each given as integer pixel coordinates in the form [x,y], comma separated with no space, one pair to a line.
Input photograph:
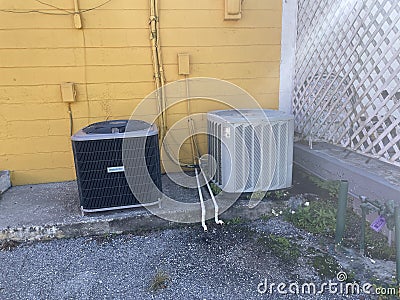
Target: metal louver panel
[257,153]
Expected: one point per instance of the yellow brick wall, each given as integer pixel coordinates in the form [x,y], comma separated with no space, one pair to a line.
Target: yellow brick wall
[110,62]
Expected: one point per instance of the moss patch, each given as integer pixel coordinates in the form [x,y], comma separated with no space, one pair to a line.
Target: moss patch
[159,281]
[331,186]
[215,189]
[326,266]
[376,244]
[278,194]
[319,217]
[280,247]
[235,221]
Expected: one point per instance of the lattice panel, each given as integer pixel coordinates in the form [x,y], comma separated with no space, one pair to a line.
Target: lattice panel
[347,80]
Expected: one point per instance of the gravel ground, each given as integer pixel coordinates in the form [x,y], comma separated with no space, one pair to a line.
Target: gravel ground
[225,263]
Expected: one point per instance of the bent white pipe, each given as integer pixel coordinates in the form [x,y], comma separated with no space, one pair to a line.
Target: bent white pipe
[203,208]
[216,208]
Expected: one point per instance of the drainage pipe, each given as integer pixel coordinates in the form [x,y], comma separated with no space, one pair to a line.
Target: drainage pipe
[157,69]
[191,133]
[216,208]
[161,68]
[159,79]
[341,212]
[203,208]
[156,72]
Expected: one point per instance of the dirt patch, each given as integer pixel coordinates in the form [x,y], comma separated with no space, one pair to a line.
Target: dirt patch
[8,245]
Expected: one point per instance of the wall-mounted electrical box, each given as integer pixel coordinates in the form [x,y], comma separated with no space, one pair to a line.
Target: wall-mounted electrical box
[68,93]
[233,9]
[183,64]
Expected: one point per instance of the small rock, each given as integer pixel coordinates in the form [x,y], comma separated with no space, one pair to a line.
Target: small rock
[373,261]
[295,202]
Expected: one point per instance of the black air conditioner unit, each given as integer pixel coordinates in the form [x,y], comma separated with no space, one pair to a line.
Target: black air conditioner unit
[104,182]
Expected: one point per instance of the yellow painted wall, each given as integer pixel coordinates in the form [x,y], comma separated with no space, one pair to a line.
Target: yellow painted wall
[110,62]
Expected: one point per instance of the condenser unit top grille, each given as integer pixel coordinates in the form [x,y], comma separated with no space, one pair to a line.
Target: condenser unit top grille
[117,129]
[250,115]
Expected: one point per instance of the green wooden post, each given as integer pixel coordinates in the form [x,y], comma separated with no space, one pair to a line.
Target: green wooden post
[363,226]
[341,212]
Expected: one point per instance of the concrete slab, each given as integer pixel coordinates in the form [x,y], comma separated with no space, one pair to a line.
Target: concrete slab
[367,176]
[5,182]
[47,211]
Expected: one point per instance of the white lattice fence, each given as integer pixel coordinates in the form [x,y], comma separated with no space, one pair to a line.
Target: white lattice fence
[347,78]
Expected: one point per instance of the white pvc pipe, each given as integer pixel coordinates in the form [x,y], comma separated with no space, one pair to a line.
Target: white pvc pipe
[216,208]
[203,208]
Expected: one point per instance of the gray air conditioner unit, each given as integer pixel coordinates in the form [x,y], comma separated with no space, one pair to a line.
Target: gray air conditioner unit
[250,150]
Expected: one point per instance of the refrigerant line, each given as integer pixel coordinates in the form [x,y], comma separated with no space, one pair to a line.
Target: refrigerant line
[203,208]
[216,208]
